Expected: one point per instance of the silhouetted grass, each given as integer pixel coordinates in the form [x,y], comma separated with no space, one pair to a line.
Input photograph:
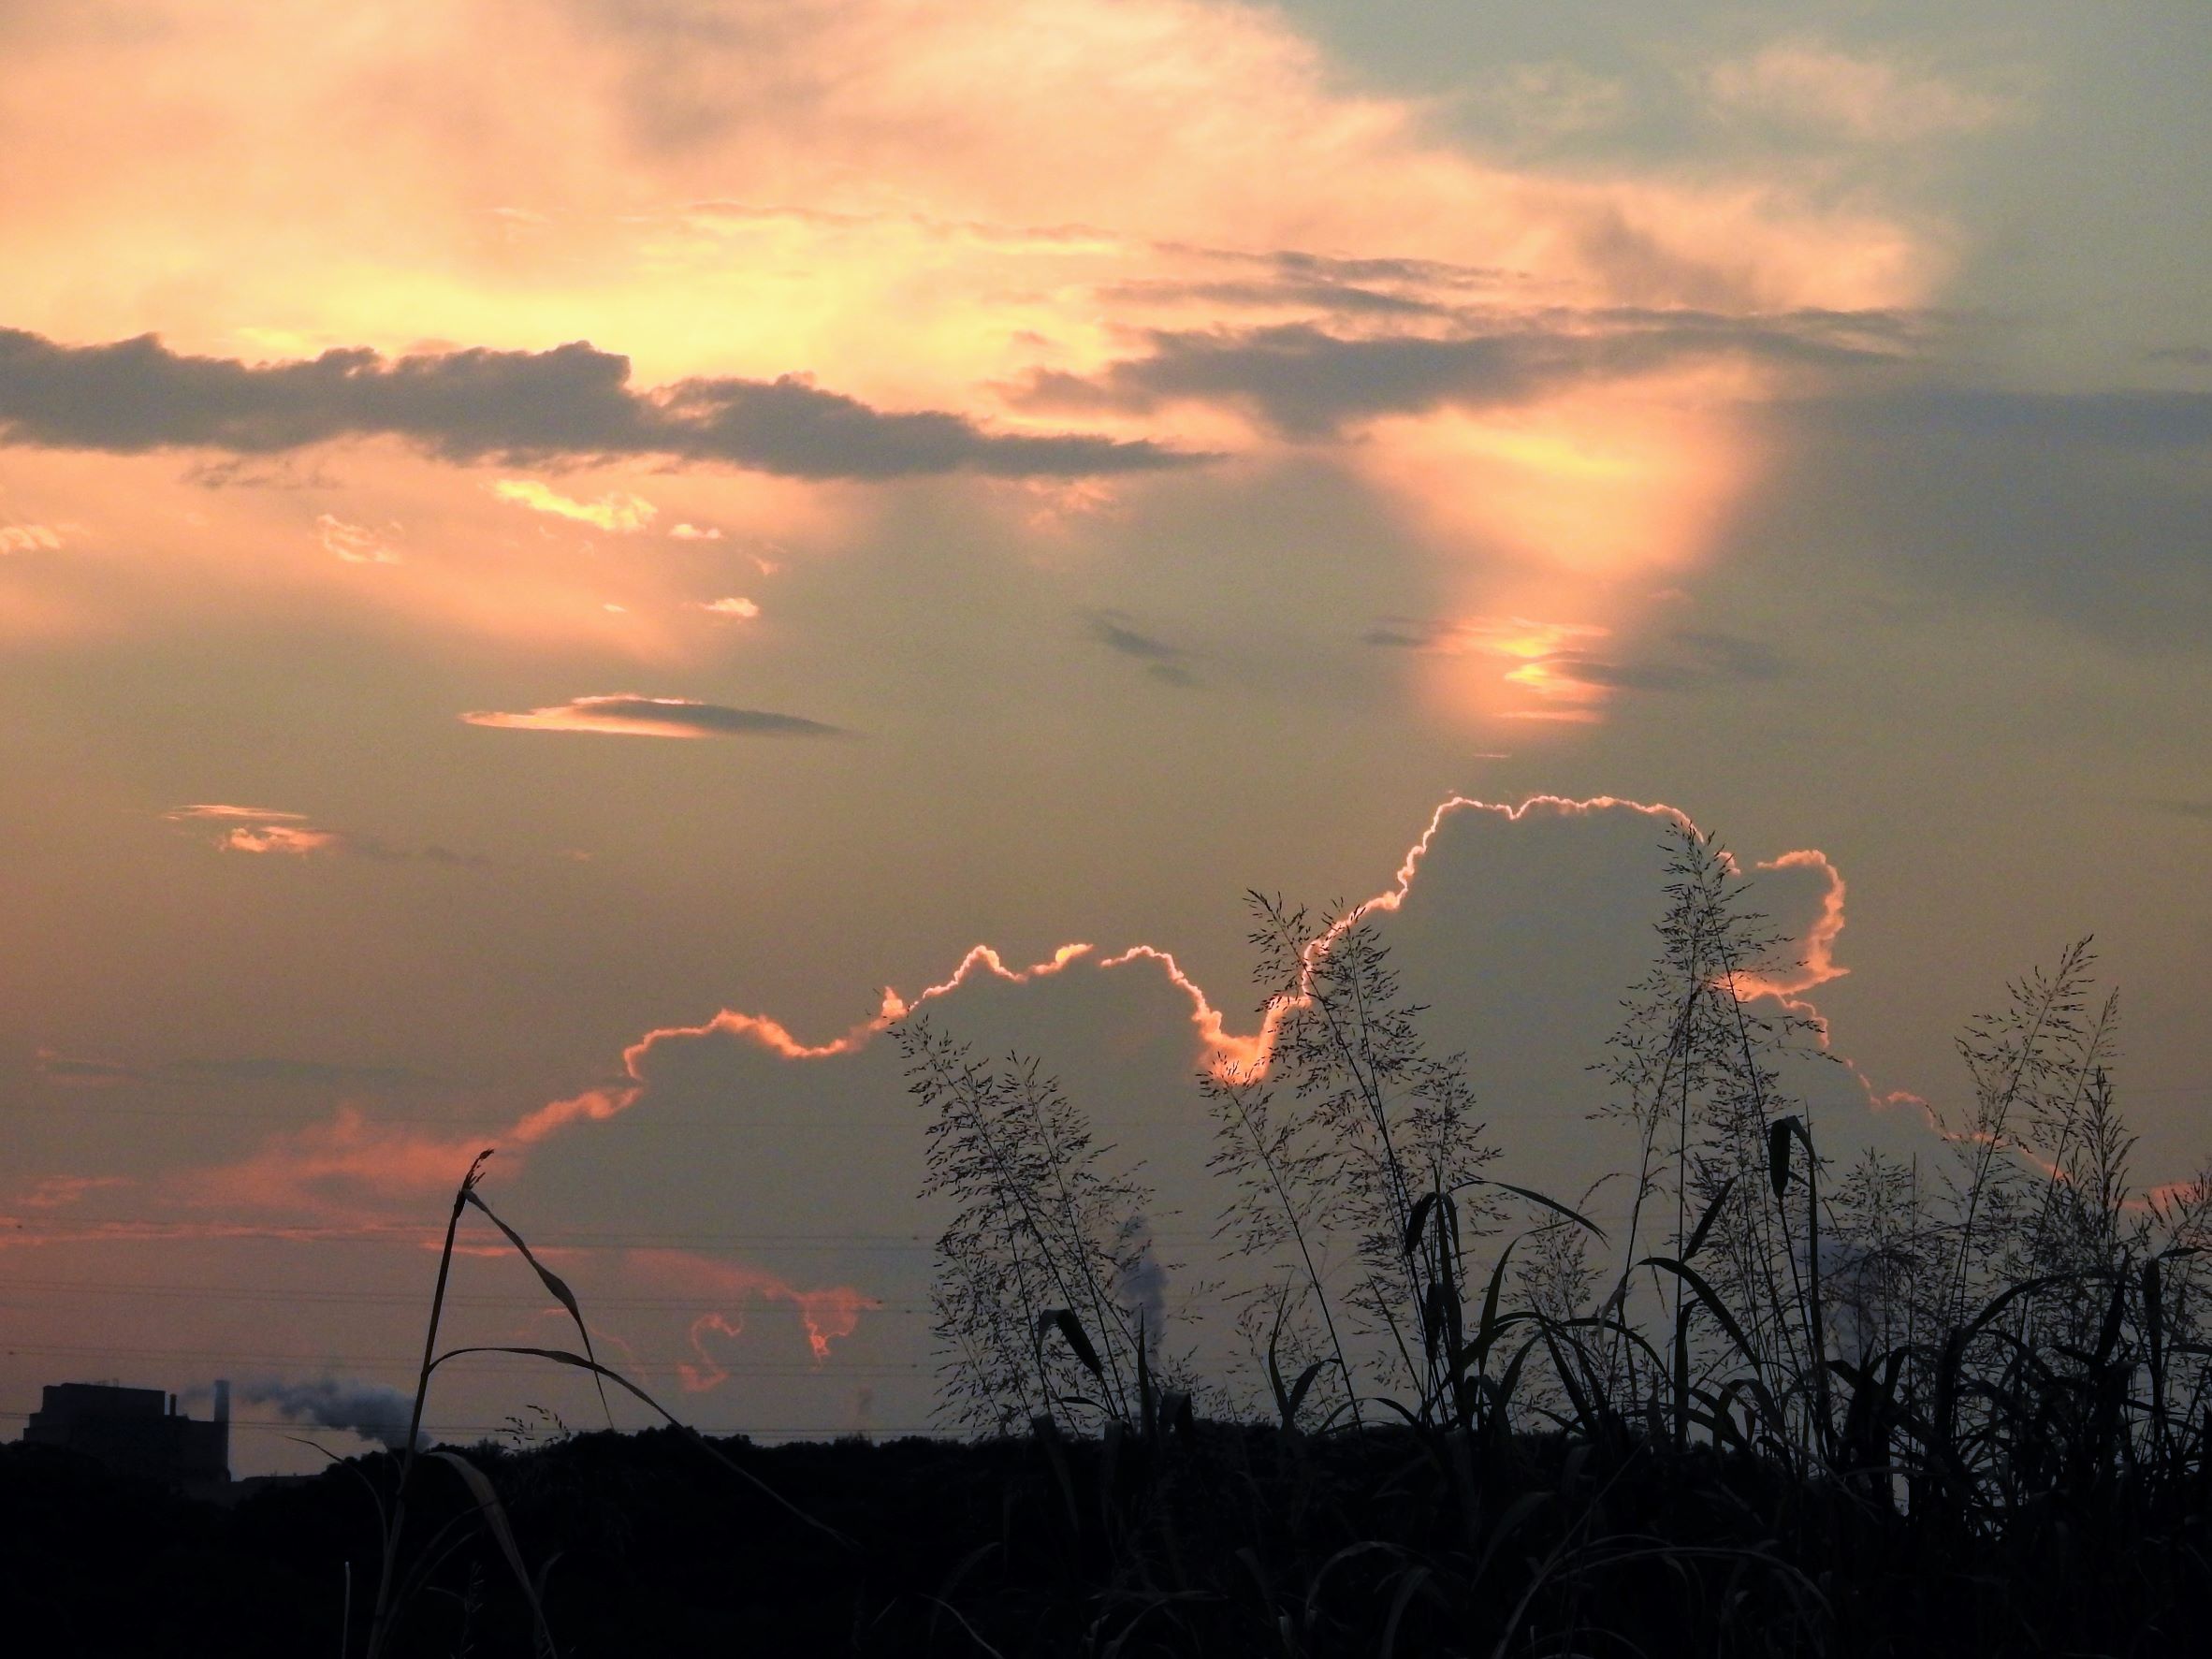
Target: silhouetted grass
[1886,1411]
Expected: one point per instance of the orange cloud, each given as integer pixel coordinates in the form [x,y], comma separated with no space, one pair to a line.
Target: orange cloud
[25,538]
[294,839]
[618,513]
[922,226]
[1819,942]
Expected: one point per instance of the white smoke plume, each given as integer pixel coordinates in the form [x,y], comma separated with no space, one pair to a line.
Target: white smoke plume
[1142,1286]
[374,1411]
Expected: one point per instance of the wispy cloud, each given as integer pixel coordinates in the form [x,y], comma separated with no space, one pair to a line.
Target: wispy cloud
[29,538]
[355,543]
[735,606]
[55,1192]
[625,713]
[1861,96]
[473,405]
[239,473]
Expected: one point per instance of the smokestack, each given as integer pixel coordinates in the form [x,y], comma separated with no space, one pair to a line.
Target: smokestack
[172,1405]
[223,1423]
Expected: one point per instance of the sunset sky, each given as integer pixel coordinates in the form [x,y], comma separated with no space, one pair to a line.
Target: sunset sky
[564,561]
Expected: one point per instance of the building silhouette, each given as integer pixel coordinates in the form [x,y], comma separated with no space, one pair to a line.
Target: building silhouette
[136,1431]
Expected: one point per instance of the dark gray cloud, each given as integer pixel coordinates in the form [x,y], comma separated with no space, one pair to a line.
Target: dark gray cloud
[1307,382]
[2090,509]
[1641,675]
[1296,264]
[2202,811]
[1410,634]
[1166,662]
[2112,419]
[2189,356]
[573,401]
[1730,656]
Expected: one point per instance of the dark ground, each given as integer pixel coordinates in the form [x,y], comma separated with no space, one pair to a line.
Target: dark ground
[1214,1541]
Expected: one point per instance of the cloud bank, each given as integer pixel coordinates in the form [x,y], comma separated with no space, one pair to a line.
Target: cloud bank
[571,402]
[1309,382]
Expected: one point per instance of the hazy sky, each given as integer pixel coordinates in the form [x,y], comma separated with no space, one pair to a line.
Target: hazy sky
[527,524]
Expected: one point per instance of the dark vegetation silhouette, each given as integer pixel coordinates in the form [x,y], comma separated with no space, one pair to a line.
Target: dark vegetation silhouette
[1797,1403]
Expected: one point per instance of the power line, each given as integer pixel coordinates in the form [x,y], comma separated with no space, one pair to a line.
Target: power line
[474,1362]
[871,1431]
[398,1298]
[517,1301]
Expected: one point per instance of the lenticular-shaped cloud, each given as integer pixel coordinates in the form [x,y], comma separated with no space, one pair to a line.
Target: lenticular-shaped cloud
[218,810]
[479,404]
[626,714]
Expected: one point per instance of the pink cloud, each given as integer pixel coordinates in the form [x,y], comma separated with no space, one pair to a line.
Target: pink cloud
[213,810]
[53,1192]
[828,1313]
[337,1166]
